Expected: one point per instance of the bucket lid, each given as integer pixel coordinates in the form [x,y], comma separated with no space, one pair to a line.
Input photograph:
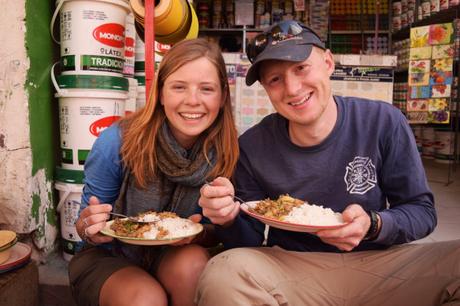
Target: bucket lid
[92,82]
[69,176]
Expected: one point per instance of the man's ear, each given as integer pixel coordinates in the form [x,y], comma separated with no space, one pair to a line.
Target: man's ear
[329,61]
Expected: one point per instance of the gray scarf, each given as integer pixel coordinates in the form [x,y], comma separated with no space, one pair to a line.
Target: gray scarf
[176,188]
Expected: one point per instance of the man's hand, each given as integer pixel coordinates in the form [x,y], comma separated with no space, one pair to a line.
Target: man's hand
[217,201]
[349,236]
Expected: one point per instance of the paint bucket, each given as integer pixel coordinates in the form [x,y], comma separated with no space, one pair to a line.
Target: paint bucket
[130,46]
[428,139]
[140,98]
[444,146]
[88,104]
[69,183]
[92,35]
[139,50]
[130,106]
[418,137]
[140,78]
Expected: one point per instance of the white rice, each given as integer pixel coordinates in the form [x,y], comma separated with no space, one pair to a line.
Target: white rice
[176,227]
[313,215]
[148,218]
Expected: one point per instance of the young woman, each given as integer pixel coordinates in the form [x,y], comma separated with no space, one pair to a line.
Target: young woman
[157,159]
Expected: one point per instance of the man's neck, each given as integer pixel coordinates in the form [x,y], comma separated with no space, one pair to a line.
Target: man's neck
[316,132]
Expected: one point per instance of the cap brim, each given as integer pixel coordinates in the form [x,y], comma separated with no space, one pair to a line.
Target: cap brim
[285,52]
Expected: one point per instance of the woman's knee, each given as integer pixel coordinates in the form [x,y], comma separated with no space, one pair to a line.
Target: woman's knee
[182,264]
[132,286]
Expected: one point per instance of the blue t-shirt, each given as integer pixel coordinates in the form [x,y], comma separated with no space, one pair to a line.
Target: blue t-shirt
[103,168]
[370,158]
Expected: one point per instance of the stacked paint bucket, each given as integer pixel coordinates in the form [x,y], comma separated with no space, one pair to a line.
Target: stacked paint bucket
[428,139]
[139,72]
[444,147]
[97,59]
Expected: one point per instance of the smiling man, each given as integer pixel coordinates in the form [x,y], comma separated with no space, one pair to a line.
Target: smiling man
[352,155]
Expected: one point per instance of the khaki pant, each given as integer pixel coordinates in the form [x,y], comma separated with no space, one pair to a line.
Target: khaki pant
[406,275]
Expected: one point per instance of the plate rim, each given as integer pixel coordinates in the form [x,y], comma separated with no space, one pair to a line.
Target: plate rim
[10,264]
[245,208]
[108,232]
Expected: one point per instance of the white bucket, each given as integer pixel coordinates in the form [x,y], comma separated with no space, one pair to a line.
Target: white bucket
[140,78]
[130,106]
[444,146]
[130,45]
[140,50]
[428,139]
[140,99]
[88,104]
[70,185]
[92,35]
[139,65]
[418,137]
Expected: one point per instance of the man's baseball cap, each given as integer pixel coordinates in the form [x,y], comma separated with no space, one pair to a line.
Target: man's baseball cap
[286,41]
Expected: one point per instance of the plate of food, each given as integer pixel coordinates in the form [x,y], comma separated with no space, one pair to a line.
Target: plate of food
[162,228]
[292,214]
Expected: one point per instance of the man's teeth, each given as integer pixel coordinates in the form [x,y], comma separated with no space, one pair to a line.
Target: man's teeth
[192,116]
[301,101]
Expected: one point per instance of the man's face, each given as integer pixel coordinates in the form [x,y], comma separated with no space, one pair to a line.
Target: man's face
[300,91]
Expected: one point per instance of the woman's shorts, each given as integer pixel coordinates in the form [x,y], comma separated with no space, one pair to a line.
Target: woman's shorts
[88,271]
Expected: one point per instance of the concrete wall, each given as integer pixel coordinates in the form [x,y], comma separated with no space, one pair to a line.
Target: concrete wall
[27,124]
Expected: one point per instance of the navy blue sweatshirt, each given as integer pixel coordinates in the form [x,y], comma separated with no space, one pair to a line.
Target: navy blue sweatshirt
[370,158]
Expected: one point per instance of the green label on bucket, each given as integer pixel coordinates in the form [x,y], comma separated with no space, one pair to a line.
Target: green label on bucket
[82,155]
[101,63]
[68,63]
[140,66]
[67,156]
[71,247]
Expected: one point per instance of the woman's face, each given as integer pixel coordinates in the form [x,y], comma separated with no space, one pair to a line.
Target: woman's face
[192,97]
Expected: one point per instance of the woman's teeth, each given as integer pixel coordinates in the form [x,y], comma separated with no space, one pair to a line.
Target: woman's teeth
[191,116]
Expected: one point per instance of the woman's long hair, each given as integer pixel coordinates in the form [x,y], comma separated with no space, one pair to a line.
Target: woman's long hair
[140,130]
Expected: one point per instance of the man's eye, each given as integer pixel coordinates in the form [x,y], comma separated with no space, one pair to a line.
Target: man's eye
[274,81]
[301,67]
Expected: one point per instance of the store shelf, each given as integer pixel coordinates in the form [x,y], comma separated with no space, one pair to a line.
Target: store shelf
[443,16]
[366,32]
[227,30]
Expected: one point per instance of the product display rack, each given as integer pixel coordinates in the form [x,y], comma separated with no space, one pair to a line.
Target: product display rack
[359,27]
[219,20]
[442,16]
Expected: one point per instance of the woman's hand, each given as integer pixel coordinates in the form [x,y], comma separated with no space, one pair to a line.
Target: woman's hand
[349,236]
[92,219]
[217,201]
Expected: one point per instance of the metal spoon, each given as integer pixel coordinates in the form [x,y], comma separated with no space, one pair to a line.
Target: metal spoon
[233,196]
[133,219]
